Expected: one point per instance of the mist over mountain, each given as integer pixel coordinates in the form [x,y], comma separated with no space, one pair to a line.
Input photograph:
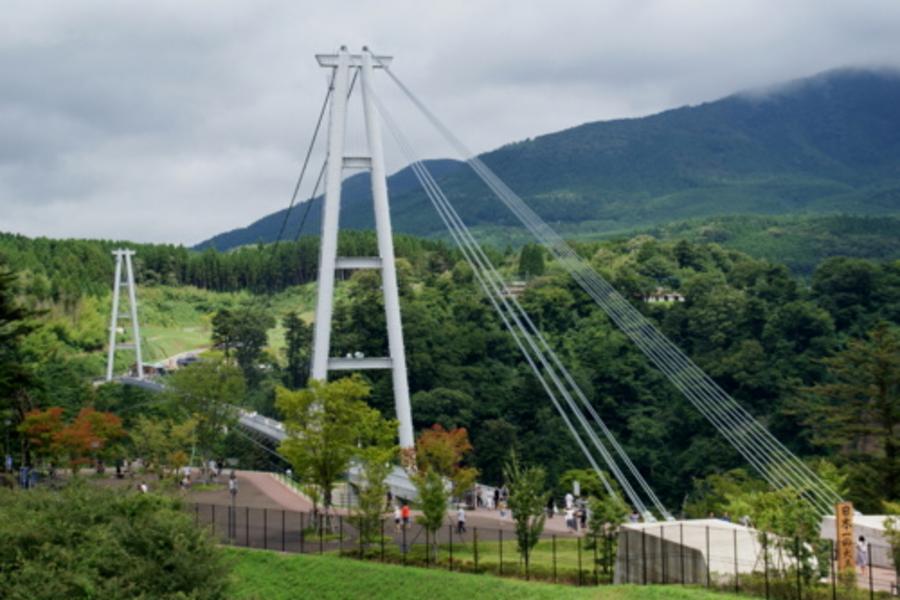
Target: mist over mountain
[829,144]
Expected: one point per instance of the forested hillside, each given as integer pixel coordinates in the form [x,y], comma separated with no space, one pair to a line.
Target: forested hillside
[824,145]
[773,340]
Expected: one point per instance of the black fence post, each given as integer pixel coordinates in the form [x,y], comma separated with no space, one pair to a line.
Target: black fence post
[737,584]
[833,577]
[766,562]
[450,529]
[707,556]
[196,513]
[247,525]
[871,582]
[381,527]
[579,560]
[797,566]
[596,575]
[554,557]
[361,534]
[404,543]
[501,551]
[212,519]
[266,528]
[662,553]
[681,544]
[427,550]
[340,534]
[643,557]
[283,546]
[321,522]
[627,556]
[608,566]
[302,534]
[475,545]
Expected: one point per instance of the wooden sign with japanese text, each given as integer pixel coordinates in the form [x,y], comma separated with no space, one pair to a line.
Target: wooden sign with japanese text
[846,546]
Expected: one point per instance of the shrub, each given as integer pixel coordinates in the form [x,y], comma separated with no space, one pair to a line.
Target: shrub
[88,542]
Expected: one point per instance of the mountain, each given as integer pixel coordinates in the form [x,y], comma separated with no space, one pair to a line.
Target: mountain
[829,144]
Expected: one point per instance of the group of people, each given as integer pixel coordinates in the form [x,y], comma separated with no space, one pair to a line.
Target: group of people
[401,516]
[492,500]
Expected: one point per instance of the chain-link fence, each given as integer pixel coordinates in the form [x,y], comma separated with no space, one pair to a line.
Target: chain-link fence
[724,557]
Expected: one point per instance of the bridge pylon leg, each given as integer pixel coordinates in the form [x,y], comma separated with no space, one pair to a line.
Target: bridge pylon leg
[329,262]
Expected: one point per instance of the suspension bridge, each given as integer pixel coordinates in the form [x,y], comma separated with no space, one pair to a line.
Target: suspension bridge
[770,459]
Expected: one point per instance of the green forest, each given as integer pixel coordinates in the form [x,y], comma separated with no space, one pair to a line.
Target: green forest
[815,358]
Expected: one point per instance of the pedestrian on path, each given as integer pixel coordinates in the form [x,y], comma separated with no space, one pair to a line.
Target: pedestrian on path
[460,520]
[862,555]
[397,519]
[570,519]
[404,512]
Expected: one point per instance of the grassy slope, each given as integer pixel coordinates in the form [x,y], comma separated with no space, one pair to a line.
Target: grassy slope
[177,319]
[261,575]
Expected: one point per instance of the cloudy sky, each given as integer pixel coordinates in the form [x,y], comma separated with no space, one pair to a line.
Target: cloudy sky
[174,120]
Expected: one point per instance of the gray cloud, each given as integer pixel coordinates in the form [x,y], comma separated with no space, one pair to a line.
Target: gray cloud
[172,121]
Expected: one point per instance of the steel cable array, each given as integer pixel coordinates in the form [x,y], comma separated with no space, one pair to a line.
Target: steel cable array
[537,351]
[764,452]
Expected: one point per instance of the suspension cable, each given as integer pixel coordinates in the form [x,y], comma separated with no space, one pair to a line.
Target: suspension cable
[772,459]
[495,290]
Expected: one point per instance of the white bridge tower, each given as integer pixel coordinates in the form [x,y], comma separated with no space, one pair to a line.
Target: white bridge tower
[124,256]
[343,63]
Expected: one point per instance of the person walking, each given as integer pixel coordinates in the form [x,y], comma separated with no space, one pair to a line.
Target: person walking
[862,555]
[496,497]
[397,519]
[460,520]
[404,513]
[570,519]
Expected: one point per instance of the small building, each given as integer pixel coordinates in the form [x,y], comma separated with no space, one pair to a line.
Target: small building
[514,289]
[663,296]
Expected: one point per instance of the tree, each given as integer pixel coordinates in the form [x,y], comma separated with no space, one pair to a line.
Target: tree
[527,501]
[494,439]
[443,451]
[892,532]
[433,498]
[162,443]
[91,541]
[531,261]
[377,451]
[17,374]
[793,520]
[246,331]
[223,331]
[607,513]
[208,391]
[297,339]
[327,424]
[446,407]
[41,429]
[89,436]
[858,412]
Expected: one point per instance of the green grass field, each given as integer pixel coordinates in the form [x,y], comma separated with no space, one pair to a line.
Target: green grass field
[262,575]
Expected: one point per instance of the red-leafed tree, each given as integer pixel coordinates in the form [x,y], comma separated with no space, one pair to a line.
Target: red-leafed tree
[443,451]
[89,435]
[86,438]
[42,428]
